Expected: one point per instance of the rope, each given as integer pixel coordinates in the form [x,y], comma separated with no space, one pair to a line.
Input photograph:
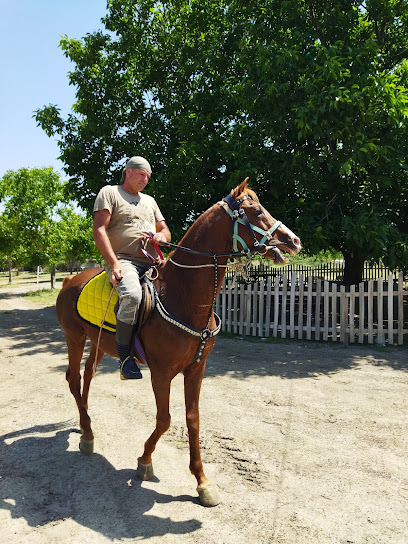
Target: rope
[100,332]
[195,265]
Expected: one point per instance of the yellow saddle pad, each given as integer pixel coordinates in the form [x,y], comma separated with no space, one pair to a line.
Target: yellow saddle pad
[93,299]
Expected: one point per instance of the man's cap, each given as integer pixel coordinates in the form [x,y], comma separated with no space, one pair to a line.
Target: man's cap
[140,163]
[136,162]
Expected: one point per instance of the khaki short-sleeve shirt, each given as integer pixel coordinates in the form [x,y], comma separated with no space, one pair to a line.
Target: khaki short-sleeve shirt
[132,216]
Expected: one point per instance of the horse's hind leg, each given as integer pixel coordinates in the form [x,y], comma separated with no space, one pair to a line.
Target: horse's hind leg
[193,377]
[73,375]
[90,367]
[161,388]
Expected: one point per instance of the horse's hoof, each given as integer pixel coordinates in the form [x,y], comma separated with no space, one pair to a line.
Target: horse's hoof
[144,472]
[208,496]
[86,446]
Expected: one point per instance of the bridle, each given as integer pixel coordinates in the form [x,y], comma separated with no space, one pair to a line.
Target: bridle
[239,217]
[233,207]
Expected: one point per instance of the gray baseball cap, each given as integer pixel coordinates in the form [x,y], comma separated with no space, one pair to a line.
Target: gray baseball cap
[136,162]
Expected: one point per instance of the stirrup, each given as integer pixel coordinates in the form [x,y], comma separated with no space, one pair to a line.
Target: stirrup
[129,369]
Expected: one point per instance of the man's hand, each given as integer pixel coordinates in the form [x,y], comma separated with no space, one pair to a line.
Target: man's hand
[159,237]
[116,276]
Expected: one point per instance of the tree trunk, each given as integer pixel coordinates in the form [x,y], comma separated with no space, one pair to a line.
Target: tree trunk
[10,270]
[353,267]
[53,277]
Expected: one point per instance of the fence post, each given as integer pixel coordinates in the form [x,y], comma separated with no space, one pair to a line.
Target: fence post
[236,307]
[334,312]
[326,311]
[390,309]
[247,307]
[317,308]
[361,317]
[224,304]
[370,311]
[243,310]
[276,307]
[300,308]
[343,314]
[400,309]
[380,311]
[261,308]
[229,318]
[309,308]
[351,312]
[292,304]
[284,302]
[254,290]
[268,307]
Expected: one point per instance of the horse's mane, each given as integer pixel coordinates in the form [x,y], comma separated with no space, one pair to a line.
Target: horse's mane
[244,190]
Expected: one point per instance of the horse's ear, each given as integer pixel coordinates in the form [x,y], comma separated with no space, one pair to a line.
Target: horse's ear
[239,189]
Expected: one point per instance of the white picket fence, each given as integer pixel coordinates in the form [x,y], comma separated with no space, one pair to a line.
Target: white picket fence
[310,309]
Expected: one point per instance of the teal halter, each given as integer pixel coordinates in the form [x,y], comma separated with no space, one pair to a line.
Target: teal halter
[238,216]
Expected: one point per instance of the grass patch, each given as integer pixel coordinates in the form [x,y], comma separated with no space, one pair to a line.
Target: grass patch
[29,278]
[43,296]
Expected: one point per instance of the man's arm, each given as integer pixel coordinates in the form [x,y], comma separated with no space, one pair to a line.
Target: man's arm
[163,233]
[100,224]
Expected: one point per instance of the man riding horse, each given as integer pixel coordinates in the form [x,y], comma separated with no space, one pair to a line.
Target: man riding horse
[187,286]
[123,215]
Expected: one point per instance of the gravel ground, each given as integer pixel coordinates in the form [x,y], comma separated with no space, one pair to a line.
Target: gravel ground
[306,442]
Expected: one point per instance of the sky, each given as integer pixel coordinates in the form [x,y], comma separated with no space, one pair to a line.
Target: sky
[34,73]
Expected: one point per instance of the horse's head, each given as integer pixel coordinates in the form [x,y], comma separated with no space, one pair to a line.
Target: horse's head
[254,227]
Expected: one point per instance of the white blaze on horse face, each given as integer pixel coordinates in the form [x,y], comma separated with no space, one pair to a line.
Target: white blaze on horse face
[289,240]
[283,237]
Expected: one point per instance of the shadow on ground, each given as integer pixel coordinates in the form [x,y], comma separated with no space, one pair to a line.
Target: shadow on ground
[43,483]
[242,358]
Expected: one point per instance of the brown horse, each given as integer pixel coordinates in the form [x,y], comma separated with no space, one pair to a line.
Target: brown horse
[187,285]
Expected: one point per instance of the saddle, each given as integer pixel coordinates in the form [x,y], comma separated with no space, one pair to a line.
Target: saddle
[97,297]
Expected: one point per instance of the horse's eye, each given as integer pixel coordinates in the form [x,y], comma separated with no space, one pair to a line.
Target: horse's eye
[258,211]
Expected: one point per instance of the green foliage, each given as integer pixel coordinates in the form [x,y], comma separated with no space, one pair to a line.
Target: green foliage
[308,99]
[76,233]
[29,198]
[38,226]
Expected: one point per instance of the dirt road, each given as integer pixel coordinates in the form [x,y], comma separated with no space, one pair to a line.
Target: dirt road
[306,442]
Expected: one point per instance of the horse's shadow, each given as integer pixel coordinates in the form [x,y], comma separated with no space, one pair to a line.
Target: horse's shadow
[43,483]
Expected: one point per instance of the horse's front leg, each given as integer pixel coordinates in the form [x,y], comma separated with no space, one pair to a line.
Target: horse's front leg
[161,389]
[193,377]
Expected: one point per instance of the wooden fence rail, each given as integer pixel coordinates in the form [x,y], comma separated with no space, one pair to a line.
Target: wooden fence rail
[375,311]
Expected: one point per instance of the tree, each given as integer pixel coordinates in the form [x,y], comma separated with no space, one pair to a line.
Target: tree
[307,98]
[30,198]
[10,242]
[341,129]
[77,240]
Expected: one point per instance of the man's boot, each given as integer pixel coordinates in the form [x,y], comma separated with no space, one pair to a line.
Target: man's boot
[127,364]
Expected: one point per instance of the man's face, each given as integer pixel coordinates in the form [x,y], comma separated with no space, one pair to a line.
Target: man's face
[137,178]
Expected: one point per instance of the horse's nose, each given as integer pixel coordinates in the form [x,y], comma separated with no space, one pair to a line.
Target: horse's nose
[297,243]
